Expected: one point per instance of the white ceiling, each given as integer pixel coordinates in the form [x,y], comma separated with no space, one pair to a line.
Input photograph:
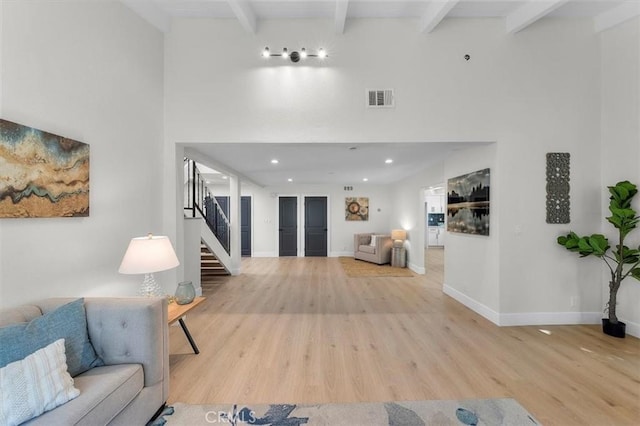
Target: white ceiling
[518,14]
[320,163]
[335,163]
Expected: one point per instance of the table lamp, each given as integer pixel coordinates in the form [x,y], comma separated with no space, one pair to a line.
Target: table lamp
[398,236]
[146,255]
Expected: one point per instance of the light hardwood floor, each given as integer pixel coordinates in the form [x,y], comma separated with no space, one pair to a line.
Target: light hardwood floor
[298,330]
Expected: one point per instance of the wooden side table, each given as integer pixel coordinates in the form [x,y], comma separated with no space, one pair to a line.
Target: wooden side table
[176,312]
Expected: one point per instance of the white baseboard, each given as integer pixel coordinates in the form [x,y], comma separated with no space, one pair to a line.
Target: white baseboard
[534,318]
[417,269]
[550,318]
[472,304]
[341,254]
[633,328]
[264,254]
[199,291]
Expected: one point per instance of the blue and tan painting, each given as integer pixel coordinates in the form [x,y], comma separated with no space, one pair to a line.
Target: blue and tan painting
[42,174]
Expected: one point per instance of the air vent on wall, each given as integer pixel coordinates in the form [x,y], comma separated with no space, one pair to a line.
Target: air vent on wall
[380,98]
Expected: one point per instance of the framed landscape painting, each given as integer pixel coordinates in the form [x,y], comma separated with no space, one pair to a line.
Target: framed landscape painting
[42,174]
[468,202]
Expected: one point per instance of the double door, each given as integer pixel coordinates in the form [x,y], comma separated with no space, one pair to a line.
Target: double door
[315,226]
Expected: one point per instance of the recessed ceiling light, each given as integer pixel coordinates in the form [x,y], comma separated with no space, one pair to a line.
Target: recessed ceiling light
[365,179]
[388,161]
[274,161]
[289,180]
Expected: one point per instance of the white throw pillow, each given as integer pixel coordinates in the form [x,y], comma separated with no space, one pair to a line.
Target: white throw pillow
[373,240]
[38,383]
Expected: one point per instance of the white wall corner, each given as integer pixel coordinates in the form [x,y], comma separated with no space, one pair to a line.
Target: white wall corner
[151,13]
[472,304]
[420,270]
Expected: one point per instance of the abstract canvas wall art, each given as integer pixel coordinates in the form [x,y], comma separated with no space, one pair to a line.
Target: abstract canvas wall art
[42,174]
[468,203]
[356,208]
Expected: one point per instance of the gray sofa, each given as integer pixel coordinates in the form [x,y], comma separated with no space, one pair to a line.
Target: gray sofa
[379,253]
[131,337]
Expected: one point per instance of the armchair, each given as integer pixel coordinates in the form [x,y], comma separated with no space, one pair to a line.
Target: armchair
[379,252]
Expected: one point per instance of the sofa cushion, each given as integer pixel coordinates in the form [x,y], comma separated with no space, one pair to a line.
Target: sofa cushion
[23,313]
[367,249]
[38,383]
[68,322]
[104,392]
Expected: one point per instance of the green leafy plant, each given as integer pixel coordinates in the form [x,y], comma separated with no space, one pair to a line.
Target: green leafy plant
[621,261]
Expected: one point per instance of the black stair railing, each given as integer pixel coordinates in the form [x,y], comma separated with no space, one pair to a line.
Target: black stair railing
[199,201]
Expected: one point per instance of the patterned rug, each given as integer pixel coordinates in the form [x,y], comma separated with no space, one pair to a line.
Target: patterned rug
[360,268]
[409,413]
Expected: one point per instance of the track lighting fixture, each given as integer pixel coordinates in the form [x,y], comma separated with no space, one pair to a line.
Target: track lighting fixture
[295,56]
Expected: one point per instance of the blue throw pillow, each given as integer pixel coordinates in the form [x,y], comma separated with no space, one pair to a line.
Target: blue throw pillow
[68,322]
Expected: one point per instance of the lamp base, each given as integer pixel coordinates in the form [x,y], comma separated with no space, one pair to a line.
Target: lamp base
[150,287]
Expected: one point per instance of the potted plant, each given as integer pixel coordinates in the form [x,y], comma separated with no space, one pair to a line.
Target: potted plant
[621,261]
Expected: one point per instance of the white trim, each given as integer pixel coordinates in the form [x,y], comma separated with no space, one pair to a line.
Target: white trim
[341,15]
[534,318]
[435,13]
[245,14]
[632,329]
[421,270]
[615,16]
[264,254]
[550,318]
[470,303]
[529,13]
[341,254]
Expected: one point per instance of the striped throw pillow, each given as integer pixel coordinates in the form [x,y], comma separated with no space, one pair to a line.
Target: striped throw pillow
[38,383]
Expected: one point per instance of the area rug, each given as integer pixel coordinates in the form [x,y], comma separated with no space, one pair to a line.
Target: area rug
[407,413]
[360,268]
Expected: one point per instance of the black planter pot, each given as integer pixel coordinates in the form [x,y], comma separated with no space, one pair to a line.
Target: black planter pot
[615,330]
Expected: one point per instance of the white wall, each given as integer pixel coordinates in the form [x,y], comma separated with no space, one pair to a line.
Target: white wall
[471,269]
[409,212]
[91,71]
[621,141]
[533,92]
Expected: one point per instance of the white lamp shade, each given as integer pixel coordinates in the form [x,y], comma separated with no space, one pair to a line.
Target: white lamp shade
[148,254]
[399,234]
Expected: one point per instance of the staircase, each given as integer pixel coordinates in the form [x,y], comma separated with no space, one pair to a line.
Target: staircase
[210,266]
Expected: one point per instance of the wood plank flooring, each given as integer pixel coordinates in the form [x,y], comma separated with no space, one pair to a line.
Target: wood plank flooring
[298,330]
